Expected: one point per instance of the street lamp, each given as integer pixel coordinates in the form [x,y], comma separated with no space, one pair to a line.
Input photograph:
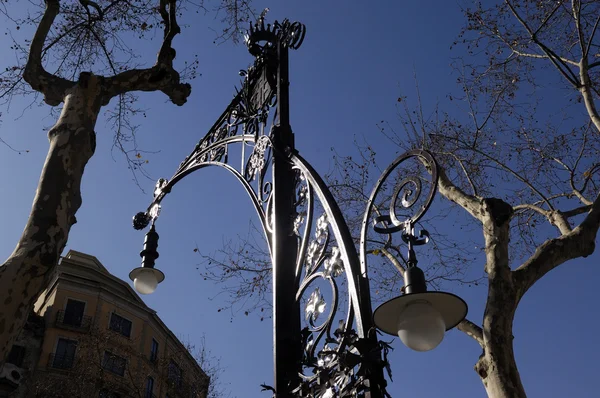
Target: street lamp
[309,240]
[420,318]
[146,278]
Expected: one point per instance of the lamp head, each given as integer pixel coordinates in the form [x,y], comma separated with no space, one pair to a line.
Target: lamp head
[418,317]
[146,278]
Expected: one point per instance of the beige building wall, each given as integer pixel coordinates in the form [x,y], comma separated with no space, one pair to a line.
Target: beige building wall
[82,278]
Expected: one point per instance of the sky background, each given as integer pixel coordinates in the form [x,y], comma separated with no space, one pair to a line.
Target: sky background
[357,59]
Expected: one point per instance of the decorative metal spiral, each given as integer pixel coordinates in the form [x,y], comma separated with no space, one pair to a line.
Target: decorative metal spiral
[406,194]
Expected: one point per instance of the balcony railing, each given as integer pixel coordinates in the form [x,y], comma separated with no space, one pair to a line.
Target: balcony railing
[63,362]
[68,320]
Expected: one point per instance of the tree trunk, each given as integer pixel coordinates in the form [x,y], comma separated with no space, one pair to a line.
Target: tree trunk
[496,366]
[28,269]
[498,371]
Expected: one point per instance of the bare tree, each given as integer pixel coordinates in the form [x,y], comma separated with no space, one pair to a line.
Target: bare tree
[527,178]
[79,57]
[211,365]
[523,178]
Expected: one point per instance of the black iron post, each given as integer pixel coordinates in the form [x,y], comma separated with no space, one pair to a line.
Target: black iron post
[286,310]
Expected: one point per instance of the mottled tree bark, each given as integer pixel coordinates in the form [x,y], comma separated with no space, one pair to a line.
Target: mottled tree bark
[72,142]
[26,272]
[497,367]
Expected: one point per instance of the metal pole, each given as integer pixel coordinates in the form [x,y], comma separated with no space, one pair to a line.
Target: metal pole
[286,310]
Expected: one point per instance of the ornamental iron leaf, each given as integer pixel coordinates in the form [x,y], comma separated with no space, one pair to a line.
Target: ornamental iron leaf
[322,227]
[258,160]
[298,221]
[326,357]
[315,306]
[302,193]
[312,254]
[334,265]
[317,246]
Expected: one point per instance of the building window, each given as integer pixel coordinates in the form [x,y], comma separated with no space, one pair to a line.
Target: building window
[114,363]
[149,387]
[154,351]
[74,313]
[16,355]
[65,354]
[120,325]
[174,375]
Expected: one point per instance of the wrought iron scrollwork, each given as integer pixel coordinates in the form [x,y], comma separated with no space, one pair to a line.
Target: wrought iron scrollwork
[341,355]
[259,159]
[407,204]
[245,121]
[407,193]
[340,351]
[245,124]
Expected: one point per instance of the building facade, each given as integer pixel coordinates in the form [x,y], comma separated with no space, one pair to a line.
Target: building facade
[92,336]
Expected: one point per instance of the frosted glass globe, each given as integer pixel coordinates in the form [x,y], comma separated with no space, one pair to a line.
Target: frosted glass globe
[145,282]
[420,326]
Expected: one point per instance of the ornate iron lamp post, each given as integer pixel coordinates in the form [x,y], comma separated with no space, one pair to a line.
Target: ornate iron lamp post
[309,240]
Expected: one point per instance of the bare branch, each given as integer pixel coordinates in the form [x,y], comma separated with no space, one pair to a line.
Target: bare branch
[466,173]
[472,330]
[547,18]
[577,192]
[507,168]
[577,211]
[554,58]
[589,44]
[580,242]
[516,175]
[555,217]
[160,77]
[558,219]
[531,207]
[472,204]
[576,9]
[585,90]
[52,87]
[392,259]
[588,176]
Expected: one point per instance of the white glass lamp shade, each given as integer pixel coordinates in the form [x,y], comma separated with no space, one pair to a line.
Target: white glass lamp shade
[146,279]
[420,319]
[420,326]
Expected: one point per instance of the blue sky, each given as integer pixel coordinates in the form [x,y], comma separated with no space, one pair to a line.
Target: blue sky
[357,59]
